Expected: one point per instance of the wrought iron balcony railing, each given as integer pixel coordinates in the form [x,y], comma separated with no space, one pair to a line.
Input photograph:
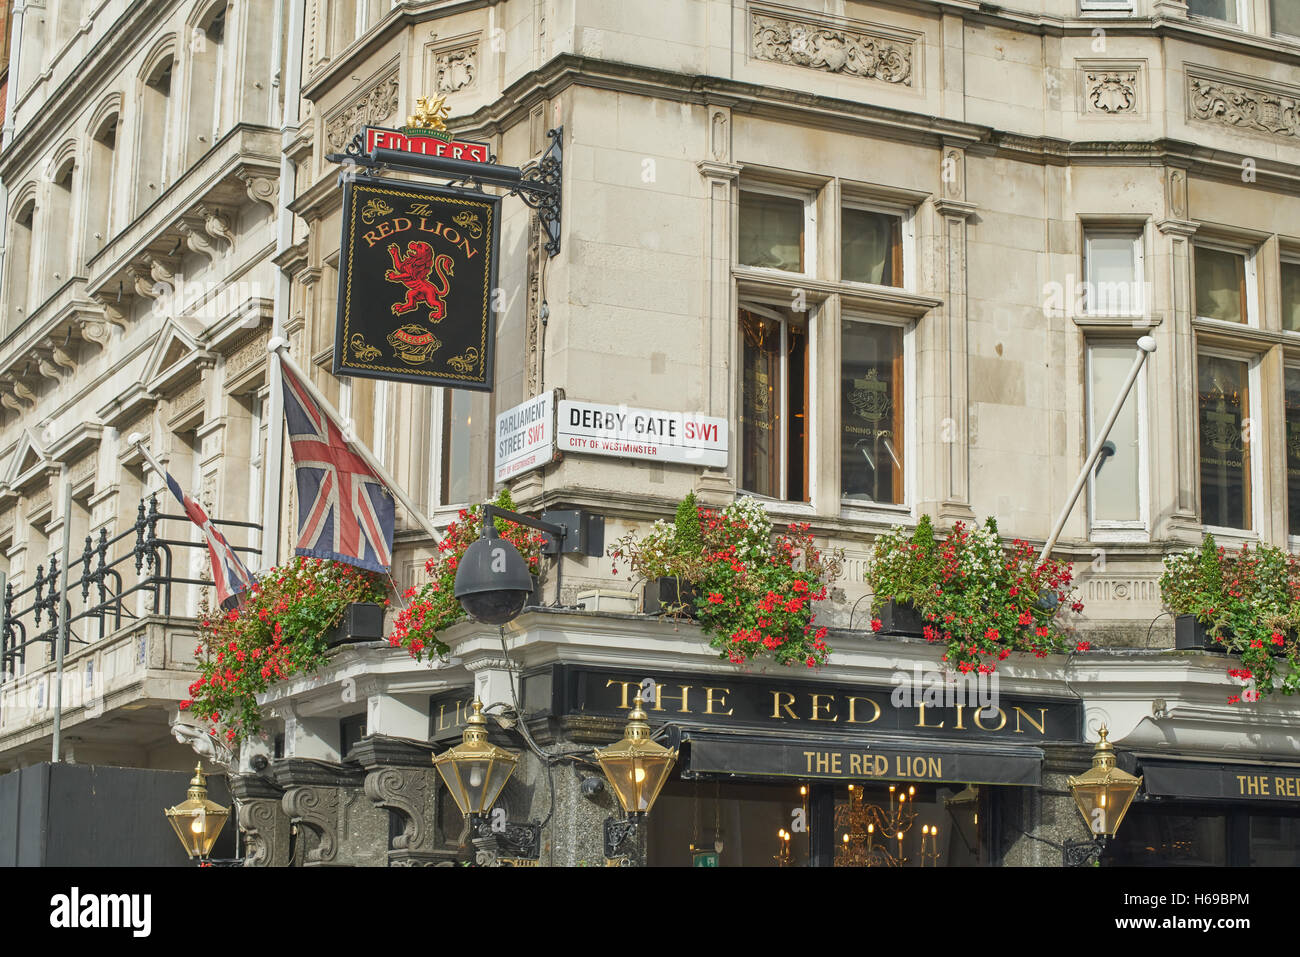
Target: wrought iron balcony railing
[110,574]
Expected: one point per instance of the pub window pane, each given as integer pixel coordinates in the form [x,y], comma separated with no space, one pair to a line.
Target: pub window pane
[1225,452]
[1114,276]
[871,413]
[1155,838]
[872,247]
[907,825]
[1116,492]
[1291,296]
[457,474]
[1285,17]
[1220,285]
[771,231]
[1218,9]
[774,405]
[705,823]
[1293,450]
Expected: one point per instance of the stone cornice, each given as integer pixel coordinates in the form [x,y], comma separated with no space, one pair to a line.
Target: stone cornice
[829,113]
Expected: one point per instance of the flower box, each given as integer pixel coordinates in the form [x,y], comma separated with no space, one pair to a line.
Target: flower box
[1192,634]
[361,621]
[901,618]
[661,593]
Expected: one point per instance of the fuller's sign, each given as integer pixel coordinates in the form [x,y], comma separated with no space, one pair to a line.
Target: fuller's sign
[651,434]
[416,272]
[425,145]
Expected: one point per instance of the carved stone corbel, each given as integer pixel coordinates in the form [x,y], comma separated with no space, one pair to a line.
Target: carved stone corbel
[262,820]
[63,359]
[217,224]
[337,822]
[401,779]
[261,189]
[196,240]
[93,330]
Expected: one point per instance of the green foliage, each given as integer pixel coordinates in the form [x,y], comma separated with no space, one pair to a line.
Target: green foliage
[1250,601]
[979,598]
[689,539]
[278,632]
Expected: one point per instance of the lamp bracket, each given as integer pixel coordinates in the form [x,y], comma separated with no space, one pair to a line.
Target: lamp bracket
[617,834]
[1082,853]
[513,839]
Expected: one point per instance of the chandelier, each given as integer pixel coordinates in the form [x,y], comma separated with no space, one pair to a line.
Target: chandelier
[875,835]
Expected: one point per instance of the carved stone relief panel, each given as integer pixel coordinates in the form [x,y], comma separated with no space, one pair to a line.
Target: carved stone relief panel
[371,108]
[846,47]
[1111,88]
[1256,107]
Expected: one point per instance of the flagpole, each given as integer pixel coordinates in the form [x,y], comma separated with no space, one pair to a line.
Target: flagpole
[134,440]
[280,347]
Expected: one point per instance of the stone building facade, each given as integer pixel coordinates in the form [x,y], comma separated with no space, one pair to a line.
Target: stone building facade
[970,212]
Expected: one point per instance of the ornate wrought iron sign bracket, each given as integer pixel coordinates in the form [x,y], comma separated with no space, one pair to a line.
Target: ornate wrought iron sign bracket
[538,183]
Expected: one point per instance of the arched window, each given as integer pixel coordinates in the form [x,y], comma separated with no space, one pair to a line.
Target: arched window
[207,81]
[19,265]
[61,253]
[100,185]
[155,109]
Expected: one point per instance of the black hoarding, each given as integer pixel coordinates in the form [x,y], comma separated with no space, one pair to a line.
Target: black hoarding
[417,267]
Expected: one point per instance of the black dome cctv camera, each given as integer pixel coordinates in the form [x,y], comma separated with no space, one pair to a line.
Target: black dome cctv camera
[493,582]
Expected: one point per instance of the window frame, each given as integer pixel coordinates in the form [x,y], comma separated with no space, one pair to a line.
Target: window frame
[439,409]
[1285,258]
[1289,364]
[888,512]
[1109,530]
[809,199]
[1276,33]
[1251,320]
[906,241]
[1241,22]
[1253,362]
[811,330]
[1138,236]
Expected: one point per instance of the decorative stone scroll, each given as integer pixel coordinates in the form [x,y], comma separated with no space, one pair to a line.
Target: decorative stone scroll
[371,109]
[1255,108]
[831,48]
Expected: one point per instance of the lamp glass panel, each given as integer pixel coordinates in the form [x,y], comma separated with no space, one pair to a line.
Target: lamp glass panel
[655,774]
[450,773]
[498,775]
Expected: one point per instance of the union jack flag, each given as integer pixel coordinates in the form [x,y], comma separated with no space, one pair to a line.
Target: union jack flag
[228,573]
[344,511]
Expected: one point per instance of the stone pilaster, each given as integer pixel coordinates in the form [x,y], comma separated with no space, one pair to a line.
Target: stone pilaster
[717,486]
[947,340]
[400,778]
[262,819]
[337,825]
[1177,342]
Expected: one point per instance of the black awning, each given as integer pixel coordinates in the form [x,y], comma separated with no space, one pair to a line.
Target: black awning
[1219,781]
[719,754]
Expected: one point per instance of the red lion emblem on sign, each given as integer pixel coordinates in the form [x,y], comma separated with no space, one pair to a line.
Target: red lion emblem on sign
[412,270]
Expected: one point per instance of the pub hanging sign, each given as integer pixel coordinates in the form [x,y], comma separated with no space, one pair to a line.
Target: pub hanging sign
[417,268]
